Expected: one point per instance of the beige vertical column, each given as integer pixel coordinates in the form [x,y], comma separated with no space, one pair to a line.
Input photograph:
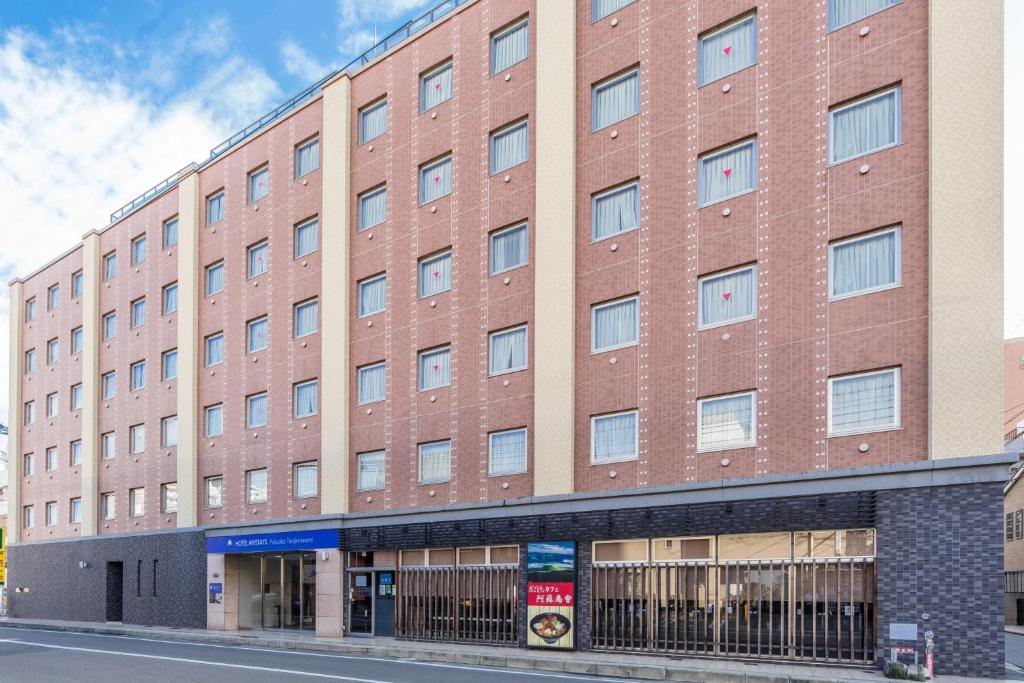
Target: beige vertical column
[554,229]
[90,382]
[330,584]
[334,296]
[188,349]
[223,615]
[15,414]
[965,129]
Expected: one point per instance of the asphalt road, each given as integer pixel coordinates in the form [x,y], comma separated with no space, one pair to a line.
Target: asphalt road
[44,656]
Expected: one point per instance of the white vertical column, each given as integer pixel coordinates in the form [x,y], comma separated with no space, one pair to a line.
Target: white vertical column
[90,382]
[188,350]
[15,416]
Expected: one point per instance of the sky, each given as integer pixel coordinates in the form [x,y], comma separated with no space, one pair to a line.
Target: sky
[100,100]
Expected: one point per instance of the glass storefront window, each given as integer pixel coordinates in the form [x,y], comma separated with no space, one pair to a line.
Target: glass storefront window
[441,558]
[774,546]
[620,551]
[508,554]
[472,556]
[414,558]
[843,543]
[679,549]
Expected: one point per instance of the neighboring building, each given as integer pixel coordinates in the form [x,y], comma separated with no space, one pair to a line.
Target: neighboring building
[1013,540]
[712,290]
[1013,390]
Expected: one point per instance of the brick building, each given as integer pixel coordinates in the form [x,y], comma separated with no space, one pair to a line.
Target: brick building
[708,294]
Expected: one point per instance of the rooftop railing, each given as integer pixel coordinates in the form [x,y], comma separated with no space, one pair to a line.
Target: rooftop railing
[152,193]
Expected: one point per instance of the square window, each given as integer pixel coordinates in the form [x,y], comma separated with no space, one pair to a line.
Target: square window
[373,207]
[845,12]
[435,180]
[139,312]
[727,50]
[256,334]
[258,259]
[136,439]
[170,298]
[110,266]
[507,452]
[214,420]
[108,383]
[259,184]
[108,505]
[307,157]
[510,147]
[615,324]
[170,365]
[28,464]
[372,386]
[867,125]
[76,396]
[77,284]
[725,422]
[435,368]
[169,497]
[136,502]
[170,232]
[435,274]
[510,46]
[616,99]
[138,250]
[214,487]
[214,349]
[307,317]
[373,120]
[435,462]
[307,237]
[602,8]
[728,173]
[615,211]
[76,453]
[510,248]
[256,411]
[727,297]
[30,309]
[52,351]
[305,480]
[109,325]
[30,361]
[51,458]
[76,511]
[137,376]
[215,278]
[256,486]
[53,298]
[866,264]
[436,86]
[613,437]
[77,339]
[306,399]
[373,295]
[370,471]
[864,402]
[108,446]
[169,431]
[508,350]
[215,208]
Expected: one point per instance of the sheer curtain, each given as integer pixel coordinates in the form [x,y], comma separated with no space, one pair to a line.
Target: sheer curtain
[727,297]
[258,259]
[436,180]
[436,87]
[727,421]
[614,437]
[138,375]
[616,211]
[866,126]
[435,462]
[257,410]
[307,158]
[864,264]
[864,402]
[257,334]
[728,51]
[371,383]
[171,232]
[844,12]
[259,184]
[257,485]
[305,479]
[435,369]
[508,351]
[307,238]
[728,173]
[373,296]
[109,269]
[374,122]
[373,208]
[306,399]
[371,471]
[170,298]
[214,421]
[603,8]
[215,209]
[436,275]
[508,452]
[616,100]
[170,365]
[509,148]
[509,249]
[215,349]
[307,318]
[214,279]
[510,47]
[615,324]
[170,431]
[138,313]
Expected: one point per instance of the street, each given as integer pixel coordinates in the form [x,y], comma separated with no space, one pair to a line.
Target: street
[52,656]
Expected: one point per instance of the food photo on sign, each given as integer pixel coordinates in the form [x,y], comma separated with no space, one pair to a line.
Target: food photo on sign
[551,594]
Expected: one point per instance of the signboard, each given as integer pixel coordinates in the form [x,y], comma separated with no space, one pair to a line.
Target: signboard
[903,632]
[268,543]
[216,593]
[551,595]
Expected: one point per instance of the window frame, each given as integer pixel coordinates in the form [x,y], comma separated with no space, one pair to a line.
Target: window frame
[51,507]
[419,462]
[218,407]
[248,410]
[134,432]
[132,386]
[359,372]
[51,459]
[75,390]
[75,510]
[311,221]
[165,509]
[419,377]
[248,334]
[210,199]
[206,349]
[77,333]
[135,246]
[448,63]
[448,157]
[593,324]
[136,496]
[295,398]
[608,82]
[137,305]
[636,436]
[369,108]
[206,278]
[108,506]
[261,244]
[609,191]
[897,282]
[753,142]
[248,486]
[169,287]
[524,225]
[53,297]
[111,318]
[359,295]
[504,130]
[308,142]
[490,452]
[164,377]
[165,422]
[897,402]
[163,232]
[594,18]
[436,256]
[206,492]
[861,99]
[111,438]
[52,404]
[359,456]
[109,263]
[732,445]
[701,325]
[501,33]
[312,301]
[250,179]
[832,29]
[52,351]
[364,195]
[315,465]
[112,374]
[507,330]
[73,446]
[749,16]
[77,283]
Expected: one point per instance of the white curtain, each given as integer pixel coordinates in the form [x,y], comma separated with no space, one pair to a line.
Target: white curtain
[373,208]
[509,249]
[509,148]
[614,437]
[139,375]
[214,492]
[109,271]
[436,88]
[109,387]
[139,313]
[602,8]
[170,434]
[170,497]
[307,238]
[510,47]
[371,471]
[617,100]
[215,209]
[615,325]
[728,297]
[866,126]
[726,421]
[257,334]
[435,462]
[864,263]
[170,365]
[373,122]
[307,318]
[258,259]
[307,158]
[865,402]
[371,383]
[844,12]
[137,439]
[259,185]
[76,452]
[435,368]
[508,452]
[214,421]
[728,51]
[170,298]
[257,410]
[436,275]
[373,295]
[729,173]
[257,485]
[305,480]
[138,256]
[306,399]
[214,279]
[171,232]
[616,211]
[436,180]
[138,502]
[109,446]
[215,349]
[508,351]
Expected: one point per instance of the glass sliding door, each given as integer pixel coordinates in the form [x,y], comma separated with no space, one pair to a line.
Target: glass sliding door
[272,603]
[308,590]
[291,591]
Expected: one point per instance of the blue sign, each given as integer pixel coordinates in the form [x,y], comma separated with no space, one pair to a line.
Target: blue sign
[269,543]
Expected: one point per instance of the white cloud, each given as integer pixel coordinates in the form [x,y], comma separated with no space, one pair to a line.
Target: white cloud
[361,23]
[299,63]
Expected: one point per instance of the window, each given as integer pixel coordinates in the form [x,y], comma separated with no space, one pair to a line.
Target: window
[170,232]
[30,309]
[136,439]
[28,464]
[509,147]
[214,349]
[108,505]
[169,364]
[28,517]
[1009,526]
[138,250]
[214,420]
[435,274]
[868,125]
[215,278]
[51,458]
[615,211]
[507,452]
[305,480]
[30,412]
[77,284]
[75,507]
[170,298]
[614,437]
[510,46]
[845,12]
[258,259]
[1018,525]
[256,334]
[109,325]
[77,339]
[307,237]
[137,375]
[169,497]
[435,368]
[373,295]
[215,208]
[169,431]
[52,404]
[76,396]
[108,446]
[728,50]
[306,399]
[864,264]
[259,184]
[52,351]
[307,317]
[30,361]
[373,207]
[256,410]
[136,502]
[53,298]
[726,422]
[435,462]
[727,173]
[614,324]
[51,513]
[508,350]
[510,248]
[373,120]
[76,453]
[370,471]
[616,99]
[307,157]
[256,486]
[602,8]
[436,86]
[139,312]
[108,383]
[372,383]
[436,180]
[864,402]
[214,487]
[727,297]
[110,265]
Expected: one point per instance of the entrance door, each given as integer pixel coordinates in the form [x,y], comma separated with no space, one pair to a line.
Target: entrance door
[115,591]
[308,590]
[361,602]
[384,607]
[291,590]
[1020,612]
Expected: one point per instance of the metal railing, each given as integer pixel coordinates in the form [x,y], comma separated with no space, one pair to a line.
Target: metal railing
[1015,433]
[152,193]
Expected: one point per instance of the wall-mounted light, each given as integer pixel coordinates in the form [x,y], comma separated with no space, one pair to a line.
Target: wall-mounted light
[323,555]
